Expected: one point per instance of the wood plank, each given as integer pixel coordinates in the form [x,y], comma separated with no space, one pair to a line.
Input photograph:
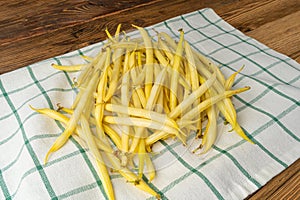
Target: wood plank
[45,41]
[255,14]
[75,24]
[284,186]
[22,19]
[281,35]
[292,185]
[35,30]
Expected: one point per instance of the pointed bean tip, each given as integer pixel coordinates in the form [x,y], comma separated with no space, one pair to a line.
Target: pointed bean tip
[158,196]
[32,108]
[249,140]
[46,158]
[135,26]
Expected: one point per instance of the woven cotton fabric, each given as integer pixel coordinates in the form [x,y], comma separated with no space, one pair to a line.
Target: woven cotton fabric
[269,114]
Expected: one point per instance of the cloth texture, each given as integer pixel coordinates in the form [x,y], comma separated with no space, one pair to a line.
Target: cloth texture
[269,113]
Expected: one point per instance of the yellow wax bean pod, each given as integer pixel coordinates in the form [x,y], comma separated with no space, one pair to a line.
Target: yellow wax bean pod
[103,172]
[140,122]
[69,68]
[101,90]
[191,66]
[141,155]
[117,62]
[220,75]
[109,36]
[126,61]
[156,136]
[162,45]
[52,114]
[125,102]
[132,60]
[84,77]
[139,58]
[70,127]
[135,99]
[64,119]
[113,135]
[150,167]
[175,68]
[210,135]
[117,33]
[211,101]
[241,133]
[129,45]
[149,60]
[139,90]
[169,40]
[138,112]
[66,110]
[87,58]
[93,66]
[229,82]
[155,90]
[130,176]
[192,97]
[166,64]
[160,102]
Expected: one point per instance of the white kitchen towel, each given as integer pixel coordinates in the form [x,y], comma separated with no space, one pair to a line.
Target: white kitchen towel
[269,113]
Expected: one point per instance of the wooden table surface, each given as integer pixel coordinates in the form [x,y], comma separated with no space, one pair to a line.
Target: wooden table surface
[31,31]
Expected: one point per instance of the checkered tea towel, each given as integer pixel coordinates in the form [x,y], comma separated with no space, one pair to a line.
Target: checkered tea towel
[269,113]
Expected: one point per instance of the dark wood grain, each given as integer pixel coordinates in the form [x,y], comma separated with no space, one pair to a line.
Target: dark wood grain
[287,28]
[284,186]
[24,19]
[274,23]
[44,30]
[257,13]
[31,31]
